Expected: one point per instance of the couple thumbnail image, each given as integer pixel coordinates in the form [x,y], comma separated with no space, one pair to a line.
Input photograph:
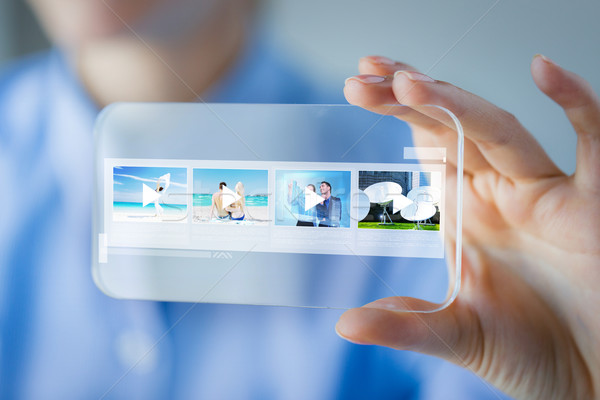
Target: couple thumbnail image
[222,209]
[327,213]
[305,206]
[215,201]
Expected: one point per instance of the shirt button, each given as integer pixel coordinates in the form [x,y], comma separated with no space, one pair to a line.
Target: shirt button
[135,349]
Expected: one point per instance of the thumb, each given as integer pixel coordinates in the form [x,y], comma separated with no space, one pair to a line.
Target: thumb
[448,334]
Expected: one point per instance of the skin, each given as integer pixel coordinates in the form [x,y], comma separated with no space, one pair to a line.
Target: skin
[238,208]
[526,319]
[214,206]
[325,191]
[126,50]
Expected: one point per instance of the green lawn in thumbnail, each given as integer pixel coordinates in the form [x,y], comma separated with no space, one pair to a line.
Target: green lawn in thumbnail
[399,225]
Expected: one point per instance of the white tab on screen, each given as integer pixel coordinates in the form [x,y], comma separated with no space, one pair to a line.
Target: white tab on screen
[102,248]
[425,153]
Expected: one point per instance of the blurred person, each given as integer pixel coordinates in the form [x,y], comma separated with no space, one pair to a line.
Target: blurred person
[60,337]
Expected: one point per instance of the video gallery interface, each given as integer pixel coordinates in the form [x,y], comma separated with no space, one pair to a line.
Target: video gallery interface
[289,205]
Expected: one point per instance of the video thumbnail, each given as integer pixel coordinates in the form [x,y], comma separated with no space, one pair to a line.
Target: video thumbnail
[231,196]
[312,198]
[149,194]
[401,199]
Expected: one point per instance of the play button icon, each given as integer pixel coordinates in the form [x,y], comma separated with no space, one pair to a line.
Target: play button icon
[229,197]
[149,195]
[311,199]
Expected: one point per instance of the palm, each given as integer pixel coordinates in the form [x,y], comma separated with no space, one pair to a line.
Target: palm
[530,256]
[517,293]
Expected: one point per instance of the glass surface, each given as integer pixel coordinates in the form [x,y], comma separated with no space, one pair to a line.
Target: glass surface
[323,205]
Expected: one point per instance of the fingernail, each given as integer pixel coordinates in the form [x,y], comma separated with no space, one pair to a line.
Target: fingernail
[368,79]
[415,76]
[381,60]
[545,59]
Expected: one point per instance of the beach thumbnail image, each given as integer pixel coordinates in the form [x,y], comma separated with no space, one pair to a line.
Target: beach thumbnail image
[231,196]
[149,194]
[312,198]
[401,200]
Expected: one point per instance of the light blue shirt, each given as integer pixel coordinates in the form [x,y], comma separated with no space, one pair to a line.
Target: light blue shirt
[61,338]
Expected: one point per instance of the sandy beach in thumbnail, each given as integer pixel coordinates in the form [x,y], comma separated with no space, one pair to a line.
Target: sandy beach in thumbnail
[256,216]
[128,217]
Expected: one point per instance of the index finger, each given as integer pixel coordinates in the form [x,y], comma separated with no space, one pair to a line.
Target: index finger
[508,147]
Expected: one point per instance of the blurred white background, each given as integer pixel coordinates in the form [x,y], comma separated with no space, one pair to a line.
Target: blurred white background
[484,46]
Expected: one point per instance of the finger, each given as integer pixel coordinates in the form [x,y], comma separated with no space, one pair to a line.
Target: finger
[375,94]
[474,161]
[501,139]
[447,139]
[367,90]
[377,65]
[377,97]
[442,334]
[581,106]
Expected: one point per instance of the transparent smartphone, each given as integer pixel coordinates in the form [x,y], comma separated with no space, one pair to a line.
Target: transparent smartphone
[290,205]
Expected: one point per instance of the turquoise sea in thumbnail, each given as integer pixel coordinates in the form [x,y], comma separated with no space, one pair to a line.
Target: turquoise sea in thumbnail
[137,209]
[204,200]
